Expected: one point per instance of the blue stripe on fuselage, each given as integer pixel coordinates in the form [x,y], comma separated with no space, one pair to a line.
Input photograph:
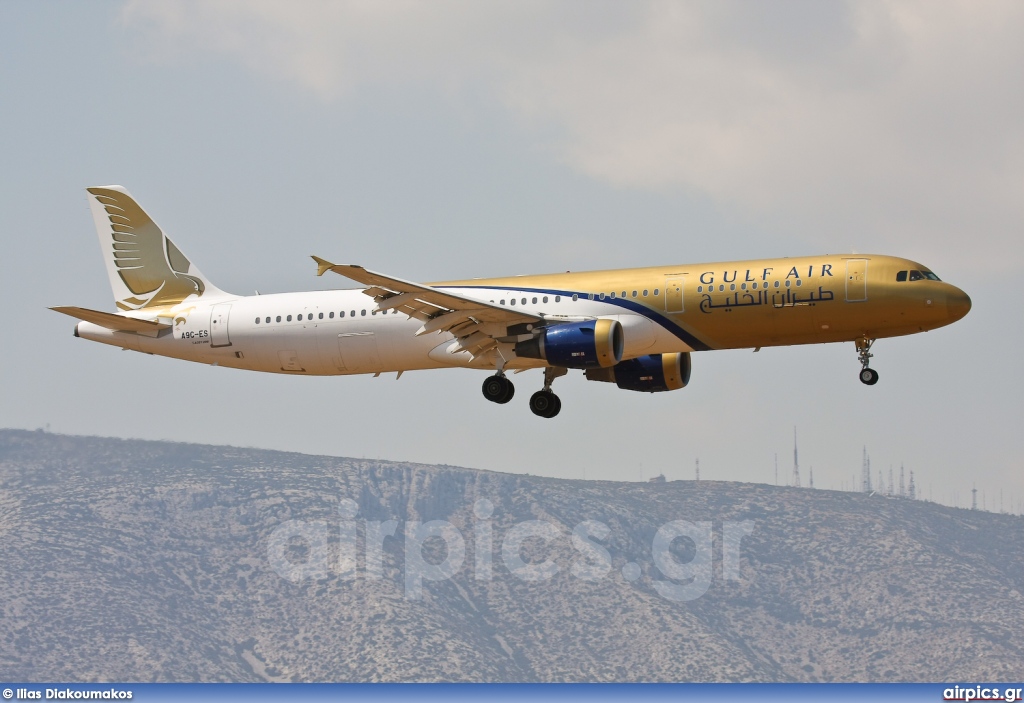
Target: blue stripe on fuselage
[691,340]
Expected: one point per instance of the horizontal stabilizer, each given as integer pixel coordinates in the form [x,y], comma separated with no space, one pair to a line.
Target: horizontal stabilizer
[111,321]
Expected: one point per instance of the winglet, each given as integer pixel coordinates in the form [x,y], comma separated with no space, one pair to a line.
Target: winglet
[322,265]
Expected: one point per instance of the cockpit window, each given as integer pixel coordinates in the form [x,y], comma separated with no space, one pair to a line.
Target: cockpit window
[917,276]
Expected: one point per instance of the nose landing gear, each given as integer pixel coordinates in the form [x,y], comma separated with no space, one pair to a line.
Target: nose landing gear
[868,376]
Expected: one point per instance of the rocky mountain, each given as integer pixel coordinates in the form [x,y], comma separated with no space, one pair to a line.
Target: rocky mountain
[138,561]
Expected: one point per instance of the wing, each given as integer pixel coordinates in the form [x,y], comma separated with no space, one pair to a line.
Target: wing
[149,264]
[477,325]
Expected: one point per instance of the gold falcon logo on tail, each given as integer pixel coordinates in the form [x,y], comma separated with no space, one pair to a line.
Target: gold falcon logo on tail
[146,269]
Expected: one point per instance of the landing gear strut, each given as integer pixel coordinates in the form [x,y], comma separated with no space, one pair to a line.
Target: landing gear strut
[498,389]
[545,403]
[868,376]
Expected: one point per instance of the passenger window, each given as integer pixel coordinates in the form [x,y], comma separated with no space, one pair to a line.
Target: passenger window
[645,294]
[330,315]
[545,299]
[787,283]
[799,282]
[743,286]
[915,276]
[321,316]
[524,301]
[558,298]
[634,294]
[700,289]
[268,320]
[352,314]
[257,320]
[513,301]
[575,297]
[289,318]
[655,291]
[534,301]
[363,313]
[901,276]
[502,302]
[732,286]
[776,284]
[623,294]
[721,287]
[278,318]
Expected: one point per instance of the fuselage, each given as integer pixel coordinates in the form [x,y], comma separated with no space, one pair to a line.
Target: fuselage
[665,309]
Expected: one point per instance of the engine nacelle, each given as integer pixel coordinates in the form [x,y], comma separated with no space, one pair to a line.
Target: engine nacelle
[576,345]
[651,374]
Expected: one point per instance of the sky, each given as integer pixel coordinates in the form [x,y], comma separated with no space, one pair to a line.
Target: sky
[449,140]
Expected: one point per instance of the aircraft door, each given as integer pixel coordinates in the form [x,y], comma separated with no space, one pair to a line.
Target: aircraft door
[219,325]
[856,280]
[673,295]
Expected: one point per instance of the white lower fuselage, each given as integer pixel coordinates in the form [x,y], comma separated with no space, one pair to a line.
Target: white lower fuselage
[326,333]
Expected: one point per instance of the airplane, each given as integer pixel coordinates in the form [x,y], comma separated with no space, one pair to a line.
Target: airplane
[636,328]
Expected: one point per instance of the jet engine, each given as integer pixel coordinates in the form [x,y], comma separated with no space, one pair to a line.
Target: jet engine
[576,345]
[652,373]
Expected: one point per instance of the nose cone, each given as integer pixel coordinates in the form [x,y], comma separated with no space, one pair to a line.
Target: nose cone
[958,304]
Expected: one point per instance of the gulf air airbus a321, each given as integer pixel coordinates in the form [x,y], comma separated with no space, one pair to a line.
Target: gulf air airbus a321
[635,328]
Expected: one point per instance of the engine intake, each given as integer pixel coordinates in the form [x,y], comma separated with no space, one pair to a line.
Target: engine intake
[651,374]
[576,345]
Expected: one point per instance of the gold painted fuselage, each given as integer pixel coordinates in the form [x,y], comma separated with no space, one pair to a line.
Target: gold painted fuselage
[770,302]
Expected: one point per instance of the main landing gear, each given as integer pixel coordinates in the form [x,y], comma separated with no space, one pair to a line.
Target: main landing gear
[868,376]
[544,403]
[498,389]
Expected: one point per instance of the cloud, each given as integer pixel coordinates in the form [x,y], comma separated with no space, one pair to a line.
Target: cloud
[875,123]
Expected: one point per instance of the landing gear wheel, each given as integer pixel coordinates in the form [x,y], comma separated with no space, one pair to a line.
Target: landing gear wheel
[498,389]
[545,404]
[868,377]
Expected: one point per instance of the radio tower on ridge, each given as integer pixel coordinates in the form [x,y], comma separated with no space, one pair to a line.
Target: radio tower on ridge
[865,473]
[796,464]
[697,473]
[903,491]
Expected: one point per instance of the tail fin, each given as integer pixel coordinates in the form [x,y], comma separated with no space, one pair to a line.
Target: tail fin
[146,270]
